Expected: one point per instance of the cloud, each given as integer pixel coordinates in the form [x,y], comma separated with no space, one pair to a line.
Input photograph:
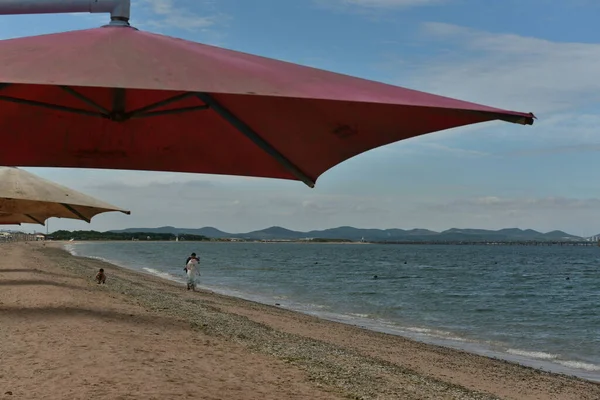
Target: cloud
[429,146]
[122,179]
[197,204]
[455,150]
[579,148]
[554,134]
[577,216]
[175,14]
[239,208]
[230,207]
[558,81]
[387,3]
[375,9]
[509,71]
[161,188]
[489,203]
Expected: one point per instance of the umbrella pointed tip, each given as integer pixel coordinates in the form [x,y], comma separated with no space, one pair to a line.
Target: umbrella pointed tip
[526,119]
[532,117]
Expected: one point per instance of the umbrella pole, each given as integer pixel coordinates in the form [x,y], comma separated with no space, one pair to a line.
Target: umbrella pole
[119,10]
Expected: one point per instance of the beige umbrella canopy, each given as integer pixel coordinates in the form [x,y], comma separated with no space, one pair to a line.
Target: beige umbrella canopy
[27,196]
[17,219]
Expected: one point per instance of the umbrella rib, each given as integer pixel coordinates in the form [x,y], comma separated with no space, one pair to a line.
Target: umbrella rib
[85,99]
[51,106]
[118,104]
[172,111]
[255,137]
[35,219]
[77,213]
[145,109]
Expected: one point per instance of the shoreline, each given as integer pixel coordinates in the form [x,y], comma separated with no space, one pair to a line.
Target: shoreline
[64,242]
[339,359]
[453,345]
[537,359]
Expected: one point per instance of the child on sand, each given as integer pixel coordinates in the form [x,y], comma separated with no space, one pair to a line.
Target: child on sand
[101,277]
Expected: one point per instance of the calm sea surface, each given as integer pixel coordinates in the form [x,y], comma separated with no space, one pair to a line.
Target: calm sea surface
[535,305]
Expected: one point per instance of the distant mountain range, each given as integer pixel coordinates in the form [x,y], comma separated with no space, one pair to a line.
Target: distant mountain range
[374,235]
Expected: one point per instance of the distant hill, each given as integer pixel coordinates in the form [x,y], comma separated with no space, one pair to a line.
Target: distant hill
[374,235]
[206,231]
[274,232]
[94,235]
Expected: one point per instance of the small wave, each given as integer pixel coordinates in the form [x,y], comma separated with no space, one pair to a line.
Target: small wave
[160,274]
[580,365]
[419,330]
[106,260]
[316,306]
[532,354]
[359,315]
[70,248]
[434,334]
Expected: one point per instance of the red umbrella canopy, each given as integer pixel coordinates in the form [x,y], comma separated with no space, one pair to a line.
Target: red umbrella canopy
[116,97]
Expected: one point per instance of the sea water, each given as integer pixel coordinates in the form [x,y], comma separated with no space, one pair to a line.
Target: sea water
[536,305]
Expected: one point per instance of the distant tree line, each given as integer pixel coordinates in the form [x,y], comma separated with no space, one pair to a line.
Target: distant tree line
[95,235]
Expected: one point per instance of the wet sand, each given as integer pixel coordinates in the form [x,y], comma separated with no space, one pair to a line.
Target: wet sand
[62,336]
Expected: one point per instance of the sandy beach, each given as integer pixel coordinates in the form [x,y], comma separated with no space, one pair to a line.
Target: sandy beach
[62,336]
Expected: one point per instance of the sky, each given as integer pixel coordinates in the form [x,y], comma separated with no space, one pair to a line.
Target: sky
[539,56]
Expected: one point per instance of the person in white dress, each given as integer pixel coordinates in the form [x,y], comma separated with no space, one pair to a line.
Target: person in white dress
[192,270]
